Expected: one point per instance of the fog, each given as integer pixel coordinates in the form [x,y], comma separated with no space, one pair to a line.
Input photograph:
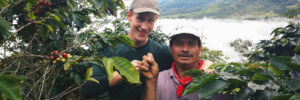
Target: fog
[216,34]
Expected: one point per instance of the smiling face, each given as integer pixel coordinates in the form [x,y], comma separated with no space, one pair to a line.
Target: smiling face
[185,50]
[141,26]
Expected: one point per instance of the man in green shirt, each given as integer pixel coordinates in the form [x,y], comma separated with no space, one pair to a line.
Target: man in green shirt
[142,16]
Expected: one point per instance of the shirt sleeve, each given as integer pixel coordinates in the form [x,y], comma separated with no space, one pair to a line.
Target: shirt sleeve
[92,89]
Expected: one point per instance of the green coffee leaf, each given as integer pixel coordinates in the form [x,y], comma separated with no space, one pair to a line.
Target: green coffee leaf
[281,97]
[10,87]
[89,73]
[294,84]
[279,62]
[31,15]
[295,97]
[108,63]
[126,69]
[126,40]
[211,88]
[198,82]
[3,3]
[49,27]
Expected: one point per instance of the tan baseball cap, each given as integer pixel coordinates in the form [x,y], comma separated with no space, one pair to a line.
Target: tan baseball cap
[139,6]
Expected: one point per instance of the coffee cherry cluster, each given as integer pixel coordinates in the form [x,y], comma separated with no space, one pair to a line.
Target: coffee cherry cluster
[42,6]
[55,57]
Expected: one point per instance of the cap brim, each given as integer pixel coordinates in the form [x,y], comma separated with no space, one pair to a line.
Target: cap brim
[175,35]
[141,10]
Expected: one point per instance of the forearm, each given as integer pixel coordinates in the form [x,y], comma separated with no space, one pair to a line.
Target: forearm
[149,91]
[92,89]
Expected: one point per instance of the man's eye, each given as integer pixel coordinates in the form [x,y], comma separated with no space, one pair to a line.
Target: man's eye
[140,18]
[151,20]
[179,44]
[192,44]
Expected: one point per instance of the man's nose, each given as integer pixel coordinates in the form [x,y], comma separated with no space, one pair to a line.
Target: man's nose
[144,26]
[185,48]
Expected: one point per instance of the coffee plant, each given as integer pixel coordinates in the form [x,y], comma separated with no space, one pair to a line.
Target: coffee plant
[272,73]
[47,48]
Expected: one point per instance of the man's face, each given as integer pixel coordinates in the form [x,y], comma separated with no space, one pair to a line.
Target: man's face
[185,50]
[141,25]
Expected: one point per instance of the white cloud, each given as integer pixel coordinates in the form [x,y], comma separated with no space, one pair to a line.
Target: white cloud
[219,32]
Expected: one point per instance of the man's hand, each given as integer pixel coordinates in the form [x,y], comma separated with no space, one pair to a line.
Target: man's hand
[116,79]
[206,65]
[149,67]
[137,64]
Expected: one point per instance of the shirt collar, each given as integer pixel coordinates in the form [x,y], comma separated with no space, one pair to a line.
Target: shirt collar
[172,76]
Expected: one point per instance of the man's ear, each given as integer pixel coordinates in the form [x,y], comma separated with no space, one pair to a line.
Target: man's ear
[170,49]
[128,13]
[200,50]
[156,17]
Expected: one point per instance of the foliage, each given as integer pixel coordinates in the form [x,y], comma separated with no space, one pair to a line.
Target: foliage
[32,29]
[283,43]
[292,13]
[9,85]
[243,47]
[212,55]
[158,36]
[274,76]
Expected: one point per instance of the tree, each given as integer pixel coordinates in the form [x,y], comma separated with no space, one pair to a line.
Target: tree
[242,47]
[291,13]
[158,35]
[283,42]
[212,55]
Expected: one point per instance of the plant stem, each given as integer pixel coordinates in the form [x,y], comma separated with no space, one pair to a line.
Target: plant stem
[66,91]
[32,55]
[11,5]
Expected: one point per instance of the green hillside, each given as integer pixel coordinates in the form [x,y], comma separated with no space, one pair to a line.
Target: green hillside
[245,9]
[170,7]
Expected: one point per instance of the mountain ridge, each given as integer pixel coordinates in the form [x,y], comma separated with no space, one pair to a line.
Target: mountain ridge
[243,9]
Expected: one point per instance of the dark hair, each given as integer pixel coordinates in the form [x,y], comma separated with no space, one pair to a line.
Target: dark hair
[131,11]
[174,37]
